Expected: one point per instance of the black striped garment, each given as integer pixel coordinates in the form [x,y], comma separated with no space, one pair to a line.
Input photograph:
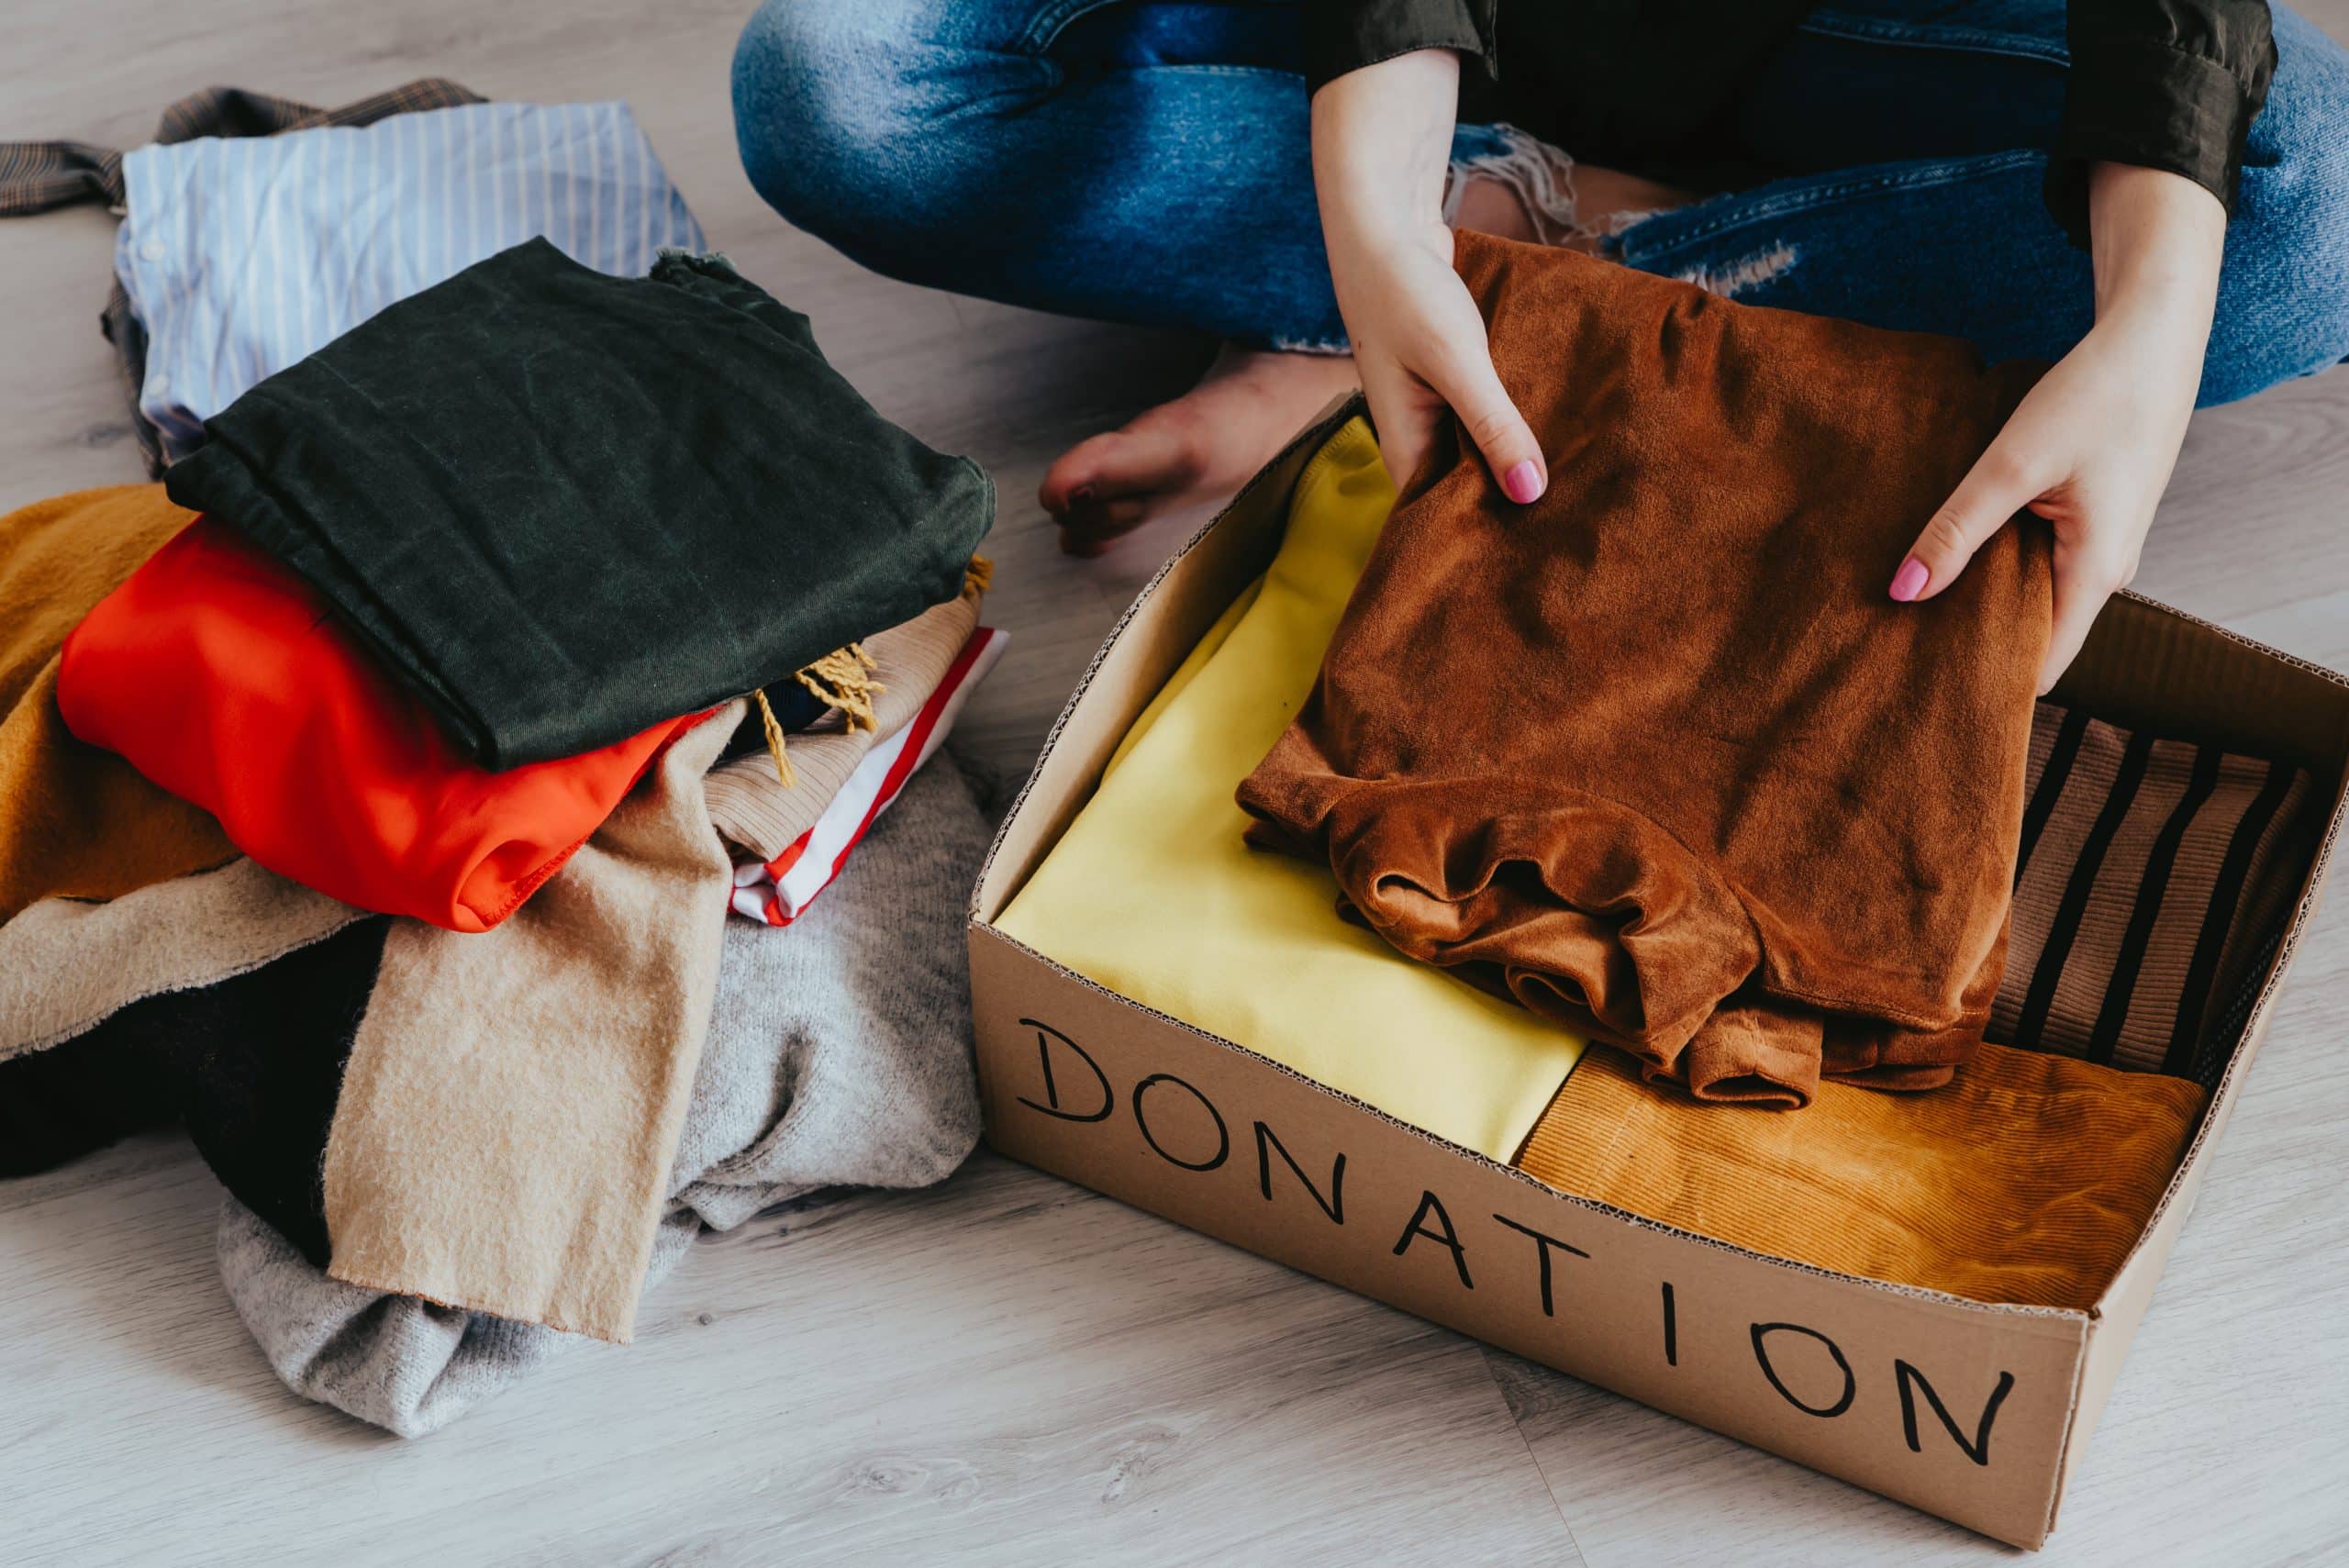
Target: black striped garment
[2154,881]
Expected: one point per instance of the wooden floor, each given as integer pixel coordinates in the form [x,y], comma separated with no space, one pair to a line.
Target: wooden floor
[1006,1369]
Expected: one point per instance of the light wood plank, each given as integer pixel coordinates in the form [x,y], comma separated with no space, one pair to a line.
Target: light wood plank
[1006,1369]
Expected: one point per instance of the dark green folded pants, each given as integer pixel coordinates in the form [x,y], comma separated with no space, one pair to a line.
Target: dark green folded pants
[565,506]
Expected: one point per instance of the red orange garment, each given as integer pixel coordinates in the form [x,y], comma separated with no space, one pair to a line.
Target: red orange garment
[224,678]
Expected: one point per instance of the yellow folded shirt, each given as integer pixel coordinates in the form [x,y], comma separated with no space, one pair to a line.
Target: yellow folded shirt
[1152,893]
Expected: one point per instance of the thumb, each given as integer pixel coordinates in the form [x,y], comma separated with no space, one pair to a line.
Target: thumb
[1492,421]
[1994,490]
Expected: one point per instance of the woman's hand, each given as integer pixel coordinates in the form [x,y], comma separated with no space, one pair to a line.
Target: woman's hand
[1382,142]
[2090,448]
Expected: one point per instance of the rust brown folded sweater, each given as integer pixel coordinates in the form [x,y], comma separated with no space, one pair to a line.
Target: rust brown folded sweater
[1657,753]
[2027,1181]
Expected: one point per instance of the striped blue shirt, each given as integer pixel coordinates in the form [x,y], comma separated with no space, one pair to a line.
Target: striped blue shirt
[241,255]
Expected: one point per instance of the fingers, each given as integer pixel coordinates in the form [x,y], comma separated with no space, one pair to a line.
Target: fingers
[2085,579]
[1998,486]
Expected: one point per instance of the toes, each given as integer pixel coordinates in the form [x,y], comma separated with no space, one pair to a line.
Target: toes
[1068,484]
[1097,467]
[1087,528]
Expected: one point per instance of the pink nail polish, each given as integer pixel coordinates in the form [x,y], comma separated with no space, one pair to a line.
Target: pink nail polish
[1522,482]
[1910,580]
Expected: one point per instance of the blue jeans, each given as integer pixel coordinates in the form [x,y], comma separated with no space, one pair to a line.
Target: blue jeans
[1147,162]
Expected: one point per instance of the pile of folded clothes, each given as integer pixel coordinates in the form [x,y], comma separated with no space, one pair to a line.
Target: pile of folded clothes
[372,790]
[1746,899]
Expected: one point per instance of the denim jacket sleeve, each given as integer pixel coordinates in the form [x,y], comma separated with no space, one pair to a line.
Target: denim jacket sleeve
[1346,35]
[2169,85]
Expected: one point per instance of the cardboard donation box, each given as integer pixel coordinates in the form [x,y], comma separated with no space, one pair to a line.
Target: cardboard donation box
[1976,1412]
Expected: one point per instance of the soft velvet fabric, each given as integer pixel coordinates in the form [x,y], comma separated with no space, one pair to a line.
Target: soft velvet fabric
[566,508]
[75,820]
[839,1054]
[1656,755]
[1152,893]
[2026,1180]
[226,679]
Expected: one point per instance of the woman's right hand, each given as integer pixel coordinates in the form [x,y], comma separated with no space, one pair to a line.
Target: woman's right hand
[1382,143]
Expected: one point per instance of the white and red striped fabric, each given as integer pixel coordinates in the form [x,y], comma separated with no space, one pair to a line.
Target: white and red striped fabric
[778,891]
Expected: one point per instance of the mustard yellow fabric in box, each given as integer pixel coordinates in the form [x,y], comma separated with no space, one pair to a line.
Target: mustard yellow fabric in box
[1152,893]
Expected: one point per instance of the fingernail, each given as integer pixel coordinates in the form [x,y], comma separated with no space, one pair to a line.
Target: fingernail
[1910,580]
[1080,495]
[1522,482]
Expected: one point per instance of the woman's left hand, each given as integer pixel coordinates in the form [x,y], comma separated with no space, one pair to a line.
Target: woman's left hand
[2092,447]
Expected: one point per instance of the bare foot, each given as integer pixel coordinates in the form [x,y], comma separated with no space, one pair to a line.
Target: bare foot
[1203,444]
[1209,441]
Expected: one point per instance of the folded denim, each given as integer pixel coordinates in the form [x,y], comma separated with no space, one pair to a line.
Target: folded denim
[1655,754]
[564,508]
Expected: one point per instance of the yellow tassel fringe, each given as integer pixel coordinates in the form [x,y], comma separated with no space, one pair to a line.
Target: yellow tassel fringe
[775,740]
[843,679]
